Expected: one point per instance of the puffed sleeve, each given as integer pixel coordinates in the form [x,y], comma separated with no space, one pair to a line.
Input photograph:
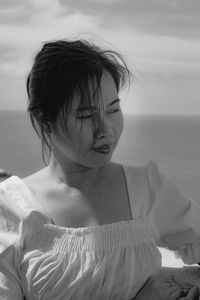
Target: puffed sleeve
[10,243]
[176,217]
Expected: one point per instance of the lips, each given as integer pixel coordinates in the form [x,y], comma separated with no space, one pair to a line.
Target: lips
[103,147]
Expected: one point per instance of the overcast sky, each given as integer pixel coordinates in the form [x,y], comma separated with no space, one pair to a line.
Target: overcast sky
[160,39]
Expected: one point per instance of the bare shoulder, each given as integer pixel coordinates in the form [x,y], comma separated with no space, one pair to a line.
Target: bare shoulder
[37,179]
[35,175]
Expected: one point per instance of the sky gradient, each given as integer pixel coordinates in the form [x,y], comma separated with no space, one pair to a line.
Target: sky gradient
[159,39]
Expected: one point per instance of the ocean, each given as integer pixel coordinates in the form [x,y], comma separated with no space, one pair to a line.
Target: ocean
[173,141]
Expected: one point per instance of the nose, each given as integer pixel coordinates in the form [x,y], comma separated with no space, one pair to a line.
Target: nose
[104,129]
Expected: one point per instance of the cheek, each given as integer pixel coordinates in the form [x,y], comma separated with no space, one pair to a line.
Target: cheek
[83,137]
[119,124]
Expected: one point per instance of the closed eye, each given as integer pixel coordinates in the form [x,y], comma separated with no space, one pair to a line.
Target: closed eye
[90,116]
[114,111]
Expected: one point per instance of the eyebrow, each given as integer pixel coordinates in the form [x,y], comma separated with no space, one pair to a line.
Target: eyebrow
[83,108]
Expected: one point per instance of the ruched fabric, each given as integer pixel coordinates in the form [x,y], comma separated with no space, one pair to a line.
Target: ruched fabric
[44,261]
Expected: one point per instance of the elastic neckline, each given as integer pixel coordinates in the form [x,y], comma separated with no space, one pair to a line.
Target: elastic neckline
[122,223]
[116,235]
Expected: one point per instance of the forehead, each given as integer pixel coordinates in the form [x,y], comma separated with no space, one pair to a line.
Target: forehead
[107,89]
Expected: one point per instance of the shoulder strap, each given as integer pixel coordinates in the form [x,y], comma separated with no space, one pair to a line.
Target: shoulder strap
[138,190]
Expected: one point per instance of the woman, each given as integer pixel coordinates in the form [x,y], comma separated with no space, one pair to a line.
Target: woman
[85,227]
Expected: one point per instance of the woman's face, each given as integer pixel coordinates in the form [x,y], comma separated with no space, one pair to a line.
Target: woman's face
[78,146]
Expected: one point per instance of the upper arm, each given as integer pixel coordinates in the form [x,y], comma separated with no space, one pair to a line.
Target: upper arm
[176,217]
[10,287]
[171,211]
[10,226]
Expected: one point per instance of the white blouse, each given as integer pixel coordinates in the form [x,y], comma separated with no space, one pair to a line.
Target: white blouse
[43,261]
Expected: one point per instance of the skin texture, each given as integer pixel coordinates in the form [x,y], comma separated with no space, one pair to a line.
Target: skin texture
[73,160]
[160,287]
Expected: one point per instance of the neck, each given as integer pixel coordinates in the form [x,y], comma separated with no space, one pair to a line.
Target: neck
[75,175]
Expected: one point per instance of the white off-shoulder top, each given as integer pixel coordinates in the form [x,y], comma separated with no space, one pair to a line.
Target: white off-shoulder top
[43,261]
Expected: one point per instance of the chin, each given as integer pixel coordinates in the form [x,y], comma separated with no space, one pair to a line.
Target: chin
[95,162]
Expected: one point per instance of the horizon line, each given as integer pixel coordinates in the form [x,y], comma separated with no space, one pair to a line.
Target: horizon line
[126,114]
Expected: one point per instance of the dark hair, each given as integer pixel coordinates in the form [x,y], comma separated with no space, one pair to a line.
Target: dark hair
[62,68]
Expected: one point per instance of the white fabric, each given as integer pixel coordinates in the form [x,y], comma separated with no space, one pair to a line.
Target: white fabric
[43,261]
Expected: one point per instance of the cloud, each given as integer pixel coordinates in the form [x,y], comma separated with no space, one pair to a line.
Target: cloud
[154,36]
[173,17]
[12,64]
[45,8]
[158,54]
[13,68]
[6,52]
[103,2]
[14,12]
[145,53]
[45,21]
[9,4]
[18,43]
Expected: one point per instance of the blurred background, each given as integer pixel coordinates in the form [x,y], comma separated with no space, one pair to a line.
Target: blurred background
[159,39]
